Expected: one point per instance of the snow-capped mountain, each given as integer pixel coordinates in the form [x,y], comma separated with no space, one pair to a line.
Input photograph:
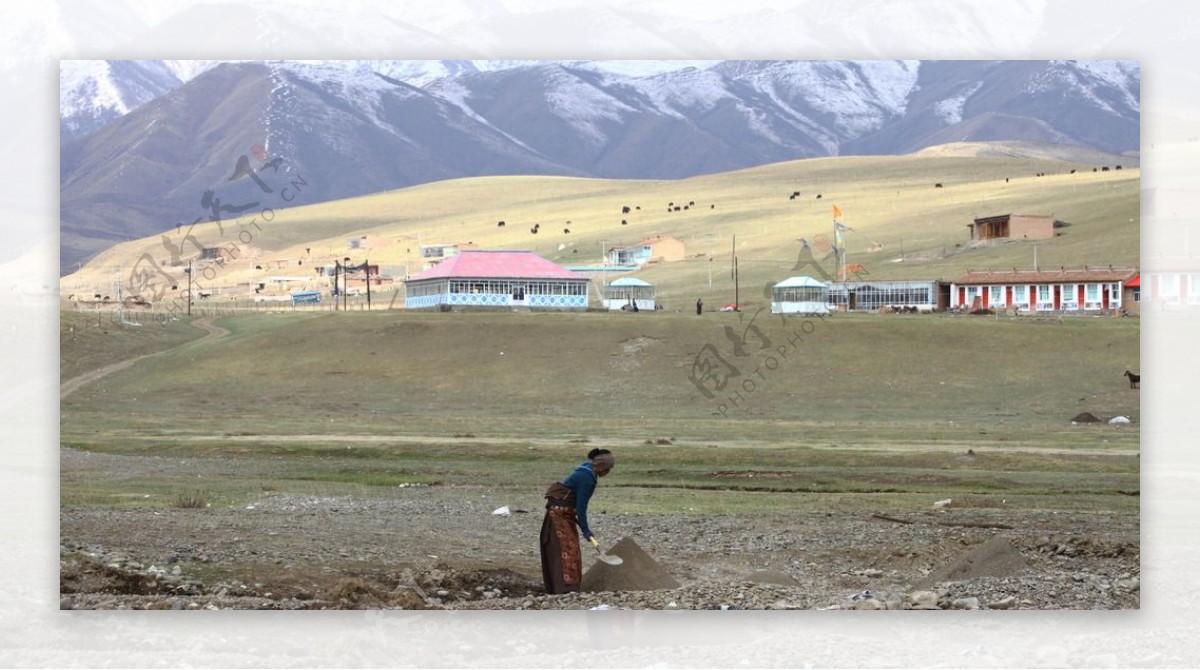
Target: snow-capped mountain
[94,93]
[357,127]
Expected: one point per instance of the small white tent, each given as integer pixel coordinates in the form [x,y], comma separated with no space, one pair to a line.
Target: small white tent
[628,291]
[800,295]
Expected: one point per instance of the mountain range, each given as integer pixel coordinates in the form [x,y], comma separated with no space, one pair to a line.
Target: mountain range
[144,142]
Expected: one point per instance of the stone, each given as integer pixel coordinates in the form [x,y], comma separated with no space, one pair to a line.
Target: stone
[922,600]
[965,603]
[1004,603]
[870,604]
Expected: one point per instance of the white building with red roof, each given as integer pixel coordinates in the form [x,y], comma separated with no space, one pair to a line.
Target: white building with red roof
[497,279]
[1061,290]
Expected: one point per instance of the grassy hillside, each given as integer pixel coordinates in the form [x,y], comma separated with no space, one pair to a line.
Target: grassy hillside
[91,340]
[531,375]
[890,406]
[904,227]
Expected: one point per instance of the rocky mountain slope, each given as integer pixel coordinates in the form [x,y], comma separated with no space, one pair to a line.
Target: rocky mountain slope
[357,127]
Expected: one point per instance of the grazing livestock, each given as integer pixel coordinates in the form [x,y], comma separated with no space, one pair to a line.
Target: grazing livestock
[533,230]
[818,196]
[566,231]
[938,185]
[1117,168]
[500,224]
[1072,172]
[625,209]
[624,222]
[1135,381]
[1104,169]
[792,196]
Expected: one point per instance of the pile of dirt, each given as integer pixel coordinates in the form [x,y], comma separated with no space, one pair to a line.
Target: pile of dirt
[993,558]
[638,572]
[1085,417]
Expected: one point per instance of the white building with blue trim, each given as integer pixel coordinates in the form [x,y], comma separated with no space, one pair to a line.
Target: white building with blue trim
[497,279]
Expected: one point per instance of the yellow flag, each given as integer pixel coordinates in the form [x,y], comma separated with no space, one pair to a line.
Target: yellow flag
[837,212]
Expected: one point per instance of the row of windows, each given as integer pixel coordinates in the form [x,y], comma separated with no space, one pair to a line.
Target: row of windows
[417,289]
[512,287]
[626,292]
[799,294]
[874,298]
[1044,295]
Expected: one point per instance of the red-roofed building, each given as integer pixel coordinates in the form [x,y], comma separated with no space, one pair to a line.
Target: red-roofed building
[497,279]
[1061,290]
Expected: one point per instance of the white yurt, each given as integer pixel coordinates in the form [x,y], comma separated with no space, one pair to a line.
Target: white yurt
[800,295]
[626,292]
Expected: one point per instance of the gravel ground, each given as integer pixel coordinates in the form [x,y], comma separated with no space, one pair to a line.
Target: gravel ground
[441,548]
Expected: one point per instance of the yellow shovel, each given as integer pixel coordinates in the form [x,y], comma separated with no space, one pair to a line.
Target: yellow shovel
[611,560]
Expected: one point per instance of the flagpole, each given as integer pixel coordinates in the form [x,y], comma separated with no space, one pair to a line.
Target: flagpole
[841,253]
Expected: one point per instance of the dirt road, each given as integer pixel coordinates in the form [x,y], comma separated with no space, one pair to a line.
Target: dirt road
[71,385]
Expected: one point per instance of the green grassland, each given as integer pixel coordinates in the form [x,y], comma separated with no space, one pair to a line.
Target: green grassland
[855,411]
[88,341]
[866,408]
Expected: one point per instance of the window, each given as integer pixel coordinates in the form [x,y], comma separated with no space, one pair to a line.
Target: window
[1020,297]
[1070,297]
[996,296]
[1045,298]
[1091,297]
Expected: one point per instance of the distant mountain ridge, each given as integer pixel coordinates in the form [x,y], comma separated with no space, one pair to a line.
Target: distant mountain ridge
[357,127]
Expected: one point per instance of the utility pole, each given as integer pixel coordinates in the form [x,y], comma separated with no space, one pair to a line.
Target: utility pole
[367,269]
[337,271]
[737,304]
[345,282]
[188,271]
